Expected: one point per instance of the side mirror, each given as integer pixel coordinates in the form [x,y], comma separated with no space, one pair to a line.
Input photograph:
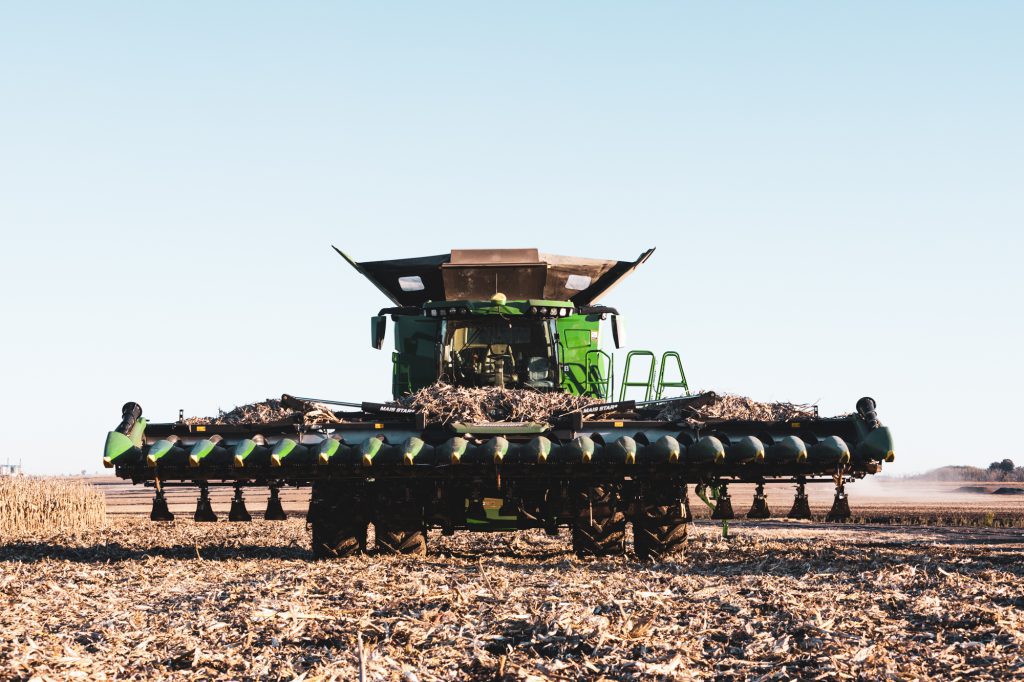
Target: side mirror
[378,325]
[618,331]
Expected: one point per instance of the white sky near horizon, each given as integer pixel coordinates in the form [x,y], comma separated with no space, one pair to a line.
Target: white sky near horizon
[834,190]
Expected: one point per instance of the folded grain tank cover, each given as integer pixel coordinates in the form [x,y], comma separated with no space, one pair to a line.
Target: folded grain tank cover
[478,274]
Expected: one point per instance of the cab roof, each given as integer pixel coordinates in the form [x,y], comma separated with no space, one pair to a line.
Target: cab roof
[478,274]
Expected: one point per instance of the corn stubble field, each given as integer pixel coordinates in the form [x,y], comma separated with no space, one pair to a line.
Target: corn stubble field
[131,599]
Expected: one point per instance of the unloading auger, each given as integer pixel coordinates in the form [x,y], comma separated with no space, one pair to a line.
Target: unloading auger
[523,323]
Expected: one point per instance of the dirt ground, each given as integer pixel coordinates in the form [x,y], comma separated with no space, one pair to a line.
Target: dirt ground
[778,600]
[871,500]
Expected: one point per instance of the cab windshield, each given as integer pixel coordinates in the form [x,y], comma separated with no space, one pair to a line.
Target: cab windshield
[500,352]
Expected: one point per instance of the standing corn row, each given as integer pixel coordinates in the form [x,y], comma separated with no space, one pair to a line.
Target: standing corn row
[37,505]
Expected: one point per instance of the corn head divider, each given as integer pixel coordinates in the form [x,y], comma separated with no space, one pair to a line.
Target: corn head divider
[593,469]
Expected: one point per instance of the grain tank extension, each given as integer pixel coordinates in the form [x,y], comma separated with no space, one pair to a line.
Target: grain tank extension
[522,327]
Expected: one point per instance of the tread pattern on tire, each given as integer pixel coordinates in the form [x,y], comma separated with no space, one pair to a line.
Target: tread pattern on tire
[661,525]
[336,521]
[398,528]
[605,533]
[395,541]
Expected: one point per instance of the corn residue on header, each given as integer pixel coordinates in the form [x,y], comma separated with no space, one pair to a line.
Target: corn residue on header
[444,404]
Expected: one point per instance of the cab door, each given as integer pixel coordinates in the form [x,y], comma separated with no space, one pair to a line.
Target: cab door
[416,354]
[577,334]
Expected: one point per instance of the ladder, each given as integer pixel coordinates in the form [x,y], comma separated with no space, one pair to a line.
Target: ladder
[648,384]
[659,392]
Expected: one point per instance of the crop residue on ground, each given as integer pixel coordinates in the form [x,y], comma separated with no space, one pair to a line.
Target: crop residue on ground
[139,600]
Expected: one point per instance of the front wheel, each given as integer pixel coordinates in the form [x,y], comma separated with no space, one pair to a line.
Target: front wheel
[599,525]
[660,528]
[399,525]
[337,521]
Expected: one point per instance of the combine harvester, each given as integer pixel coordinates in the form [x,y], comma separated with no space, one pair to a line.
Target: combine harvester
[523,322]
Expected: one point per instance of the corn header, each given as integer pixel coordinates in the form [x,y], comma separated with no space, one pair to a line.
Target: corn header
[523,323]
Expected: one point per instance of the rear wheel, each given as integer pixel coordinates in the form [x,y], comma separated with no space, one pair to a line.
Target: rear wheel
[337,521]
[399,527]
[599,526]
[660,528]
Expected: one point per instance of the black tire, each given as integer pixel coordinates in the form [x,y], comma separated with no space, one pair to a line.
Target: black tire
[337,521]
[661,525]
[333,540]
[401,541]
[399,527]
[599,526]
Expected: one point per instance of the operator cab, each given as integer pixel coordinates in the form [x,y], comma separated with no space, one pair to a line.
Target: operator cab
[502,352]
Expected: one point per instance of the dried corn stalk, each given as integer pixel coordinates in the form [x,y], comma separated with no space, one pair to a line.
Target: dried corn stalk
[48,505]
[711,405]
[443,403]
[775,603]
[268,411]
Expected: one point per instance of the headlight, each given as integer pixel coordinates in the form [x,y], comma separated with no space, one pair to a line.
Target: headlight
[533,310]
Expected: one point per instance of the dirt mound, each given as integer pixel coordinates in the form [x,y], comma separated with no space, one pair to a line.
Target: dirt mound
[972,489]
[1008,491]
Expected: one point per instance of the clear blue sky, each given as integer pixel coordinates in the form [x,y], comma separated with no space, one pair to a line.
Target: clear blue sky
[835,191]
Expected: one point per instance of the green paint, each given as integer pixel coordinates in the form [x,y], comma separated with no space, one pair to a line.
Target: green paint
[499,428]
[623,449]
[708,449]
[138,432]
[492,521]
[789,449]
[327,449]
[243,450]
[369,449]
[410,449]
[496,448]
[877,445]
[832,450]
[582,449]
[666,448]
[284,449]
[417,357]
[702,494]
[453,449]
[578,335]
[539,449]
[745,449]
[200,451]
[118,447]
[159,450]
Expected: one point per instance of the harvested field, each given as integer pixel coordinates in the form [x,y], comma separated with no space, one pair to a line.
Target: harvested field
[780,600]
[874,501]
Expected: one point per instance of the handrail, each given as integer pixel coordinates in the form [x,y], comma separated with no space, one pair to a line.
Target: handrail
[647,385]
[662,384]
[602,388]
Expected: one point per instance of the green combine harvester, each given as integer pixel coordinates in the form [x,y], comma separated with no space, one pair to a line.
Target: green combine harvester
[506,320]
